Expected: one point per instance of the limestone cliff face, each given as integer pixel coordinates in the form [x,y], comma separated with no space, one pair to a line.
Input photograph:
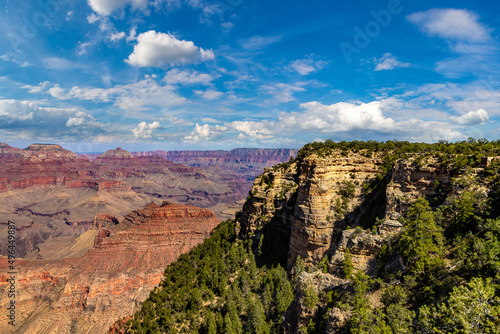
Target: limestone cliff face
[322,205]
[412,179]
[314,199]
[318,197]
[329,199]
[86,294]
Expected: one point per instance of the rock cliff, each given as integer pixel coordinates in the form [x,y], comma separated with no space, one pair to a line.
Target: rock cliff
[323,206]
[314,200]
[86,294]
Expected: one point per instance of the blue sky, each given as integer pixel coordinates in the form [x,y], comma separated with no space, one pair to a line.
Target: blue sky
[195,74]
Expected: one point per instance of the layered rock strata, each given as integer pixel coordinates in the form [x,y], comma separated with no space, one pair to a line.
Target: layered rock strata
[323,204]
[86,294]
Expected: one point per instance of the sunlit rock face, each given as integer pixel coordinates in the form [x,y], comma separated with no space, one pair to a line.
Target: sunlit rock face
[88,293]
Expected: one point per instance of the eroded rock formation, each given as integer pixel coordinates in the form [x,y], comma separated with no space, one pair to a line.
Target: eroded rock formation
[86,294]
[320,206]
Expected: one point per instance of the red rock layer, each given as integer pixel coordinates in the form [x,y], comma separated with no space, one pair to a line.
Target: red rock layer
[89,293]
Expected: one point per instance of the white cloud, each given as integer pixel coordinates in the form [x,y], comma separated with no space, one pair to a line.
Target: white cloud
[479,116]
[207,8]
[145,130]
[132,36]
[156,49]
[178,121]
[11,57]
[42,86]
[111,34]
[58,92]
[338,117]
[258,42]
[56,63]
[342,120]
[283,92]
[209,94]
[205,133]
[26,119]
[227,26]
[253,130]
[307,66]
[92,18]
[81,48]
[135,96]
[462,98]
[187,77]
[107,7]
[389,62]
[117,36]
[453,24]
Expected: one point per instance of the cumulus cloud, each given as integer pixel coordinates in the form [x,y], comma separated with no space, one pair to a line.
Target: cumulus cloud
[187,77]
[453,24]
[307,66]
[107,7]
[253,130]
[157,49]
[389,62]
[58,92]
[479,116]
[205,132]
[352,118]
[347,120]
[338,117]
[145,130]
[27,119]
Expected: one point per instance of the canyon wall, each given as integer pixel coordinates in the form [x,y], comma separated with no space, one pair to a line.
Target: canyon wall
[87,293]
[322,205]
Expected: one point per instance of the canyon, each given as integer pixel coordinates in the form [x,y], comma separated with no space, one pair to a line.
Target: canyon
[126,259]
[53,194]
[86,255]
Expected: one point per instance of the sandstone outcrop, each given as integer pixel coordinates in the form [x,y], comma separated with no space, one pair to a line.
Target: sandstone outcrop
[325,195]
[411,180]
[86,294]
[320,205]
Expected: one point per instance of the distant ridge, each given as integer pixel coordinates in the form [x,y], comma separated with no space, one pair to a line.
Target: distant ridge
[237,155]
